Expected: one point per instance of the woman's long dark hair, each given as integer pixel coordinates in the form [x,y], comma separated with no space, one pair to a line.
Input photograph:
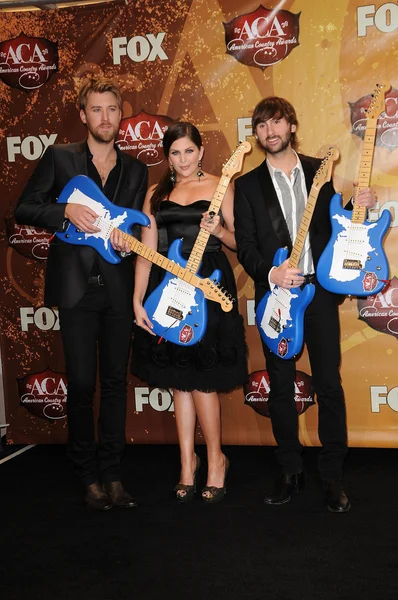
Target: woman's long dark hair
[174,132]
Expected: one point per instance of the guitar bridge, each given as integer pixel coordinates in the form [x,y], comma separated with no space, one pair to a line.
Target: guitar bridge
[174,313]
[275,324]
[352,264]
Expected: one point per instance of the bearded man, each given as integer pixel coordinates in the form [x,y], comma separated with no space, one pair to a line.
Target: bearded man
[269,204]
[94,297]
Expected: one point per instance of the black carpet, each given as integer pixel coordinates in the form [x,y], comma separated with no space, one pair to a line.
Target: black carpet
[52,547]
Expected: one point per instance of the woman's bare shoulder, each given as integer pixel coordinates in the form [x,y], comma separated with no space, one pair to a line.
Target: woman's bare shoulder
[211,177]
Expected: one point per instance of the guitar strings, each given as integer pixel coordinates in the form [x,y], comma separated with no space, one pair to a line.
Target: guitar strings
[350,251]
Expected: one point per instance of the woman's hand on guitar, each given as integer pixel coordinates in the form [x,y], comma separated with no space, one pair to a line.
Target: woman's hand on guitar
[285,276]
[211,223]
[142,319]
[82,217]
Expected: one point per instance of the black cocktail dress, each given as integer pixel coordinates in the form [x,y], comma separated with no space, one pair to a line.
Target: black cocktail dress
[217,363]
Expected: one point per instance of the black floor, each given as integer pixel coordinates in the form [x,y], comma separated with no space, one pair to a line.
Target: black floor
[52,547]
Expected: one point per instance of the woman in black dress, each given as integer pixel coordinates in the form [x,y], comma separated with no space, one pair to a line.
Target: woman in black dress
[178,207]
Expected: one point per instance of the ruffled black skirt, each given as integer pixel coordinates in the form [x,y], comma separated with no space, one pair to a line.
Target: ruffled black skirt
[218,363]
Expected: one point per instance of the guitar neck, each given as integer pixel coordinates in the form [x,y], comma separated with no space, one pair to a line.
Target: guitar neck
[365,167]
[304,227]
[158,259]
[195,258]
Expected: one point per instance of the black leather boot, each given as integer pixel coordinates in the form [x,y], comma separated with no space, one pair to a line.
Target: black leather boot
[96,498]
[335,496]
[285,487]
[118,495]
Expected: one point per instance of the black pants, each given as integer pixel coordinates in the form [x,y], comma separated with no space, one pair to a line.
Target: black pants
[322,337]
[93,332]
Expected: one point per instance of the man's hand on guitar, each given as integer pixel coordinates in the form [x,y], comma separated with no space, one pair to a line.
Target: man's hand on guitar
[82,217]
[118,243]
[365,197]
[142,319]
[285,276]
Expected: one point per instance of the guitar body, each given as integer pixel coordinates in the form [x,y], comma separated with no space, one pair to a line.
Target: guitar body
[354,262]
[177,309]
[82,190]
[280,315]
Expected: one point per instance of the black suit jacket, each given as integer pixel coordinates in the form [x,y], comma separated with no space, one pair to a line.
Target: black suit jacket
[69,266]
[260,227]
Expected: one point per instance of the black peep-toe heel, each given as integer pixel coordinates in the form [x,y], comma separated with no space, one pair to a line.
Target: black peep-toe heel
[212,494]
[188,489]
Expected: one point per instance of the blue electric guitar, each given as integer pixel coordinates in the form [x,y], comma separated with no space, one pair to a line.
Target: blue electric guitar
[178,310]
[280,312]
[354,262]
[83,190]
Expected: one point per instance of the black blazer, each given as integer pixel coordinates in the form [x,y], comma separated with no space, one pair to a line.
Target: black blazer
[69,266]
[260,227]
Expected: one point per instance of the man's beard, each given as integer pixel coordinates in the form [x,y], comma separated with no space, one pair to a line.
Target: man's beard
[103,137]
[281,147]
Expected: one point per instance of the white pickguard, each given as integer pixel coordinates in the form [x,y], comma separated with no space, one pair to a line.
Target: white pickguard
[352,243]
[278,307]
[178,294]
[104,222]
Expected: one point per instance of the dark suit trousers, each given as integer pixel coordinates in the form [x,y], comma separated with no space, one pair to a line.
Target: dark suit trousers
[92,332]
[322,336]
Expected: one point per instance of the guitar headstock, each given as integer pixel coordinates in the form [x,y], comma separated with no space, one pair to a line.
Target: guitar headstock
[235,162]
[324,172]
[212,291]
[377,103]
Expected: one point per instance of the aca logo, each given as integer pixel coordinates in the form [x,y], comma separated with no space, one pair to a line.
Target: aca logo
[142,136]
[380,312]
[258,388]
[31,242]
[27,63]
[262,38]
[44,394]
[387,123]
[159,400]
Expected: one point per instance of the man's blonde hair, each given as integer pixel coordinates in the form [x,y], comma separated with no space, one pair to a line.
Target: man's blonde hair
[100,85]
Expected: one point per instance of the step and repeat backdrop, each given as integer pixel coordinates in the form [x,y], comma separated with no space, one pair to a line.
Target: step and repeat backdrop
[209,63]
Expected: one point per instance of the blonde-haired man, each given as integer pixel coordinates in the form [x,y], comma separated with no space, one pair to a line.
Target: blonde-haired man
[94,297]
